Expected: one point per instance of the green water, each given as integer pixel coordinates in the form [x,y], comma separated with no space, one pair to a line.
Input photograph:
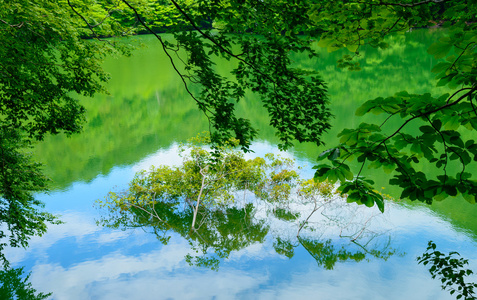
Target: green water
[140,123]
[148,108]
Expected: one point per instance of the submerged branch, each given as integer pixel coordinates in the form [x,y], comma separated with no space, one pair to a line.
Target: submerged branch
[198,200]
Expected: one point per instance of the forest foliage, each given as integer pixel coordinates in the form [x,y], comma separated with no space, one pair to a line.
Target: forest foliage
[48,56]
[262,36]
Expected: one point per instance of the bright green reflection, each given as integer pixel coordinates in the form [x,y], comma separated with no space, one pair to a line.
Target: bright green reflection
[14,285]
[222,203]
[149,109]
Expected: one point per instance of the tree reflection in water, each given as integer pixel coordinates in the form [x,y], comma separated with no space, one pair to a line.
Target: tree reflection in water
[14,285]
[222,203]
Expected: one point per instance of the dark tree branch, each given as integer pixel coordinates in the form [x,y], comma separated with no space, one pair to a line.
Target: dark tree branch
[460,55]
[443,142]
[189,19]
[360,170]
[396,161]
[19,25]
[91,28]
[431,112]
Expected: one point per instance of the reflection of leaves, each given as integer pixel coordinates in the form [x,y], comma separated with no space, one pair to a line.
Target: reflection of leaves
[227,230]
[165,201]
[202,261]
[283,214]
[284,247]
[13,285]
[220,230]
[327,255]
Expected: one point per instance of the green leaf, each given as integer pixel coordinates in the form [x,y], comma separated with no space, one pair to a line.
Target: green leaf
[321,172]
[335,154]
[325,154]
[353,47]
[469,198]
[440,67]
[380,203]
[325,42]
[427,129]
[366,107]
[367,200]
[440,48]
[388,168]
[437,124]
[441,196]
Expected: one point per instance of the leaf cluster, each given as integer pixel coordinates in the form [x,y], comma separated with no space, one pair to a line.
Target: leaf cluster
[261,42]
[44,63]
[20,178]
[44,66]
[418,130]
[209,178]
[450,270]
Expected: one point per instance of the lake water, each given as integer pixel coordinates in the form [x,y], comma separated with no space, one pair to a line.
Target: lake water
[141,123]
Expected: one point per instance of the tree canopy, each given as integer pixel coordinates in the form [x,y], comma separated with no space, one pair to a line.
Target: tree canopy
[15,285]
[45,63]
[443,141]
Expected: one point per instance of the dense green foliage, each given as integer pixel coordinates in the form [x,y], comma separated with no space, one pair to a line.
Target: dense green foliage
[146,103]
[204,179]
[19,178]
[14,285]
[294,99]
[441,119]
[44,65]
[46,62]
[262,36]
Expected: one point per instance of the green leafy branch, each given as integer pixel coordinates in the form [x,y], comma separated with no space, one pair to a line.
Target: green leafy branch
[292,97]
[403,150]
[449,269]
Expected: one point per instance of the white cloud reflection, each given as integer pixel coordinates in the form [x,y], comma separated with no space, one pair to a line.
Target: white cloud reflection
[133,265]
[162,274]
[158,274]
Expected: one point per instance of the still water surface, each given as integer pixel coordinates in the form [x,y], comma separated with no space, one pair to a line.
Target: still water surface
[141,123]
